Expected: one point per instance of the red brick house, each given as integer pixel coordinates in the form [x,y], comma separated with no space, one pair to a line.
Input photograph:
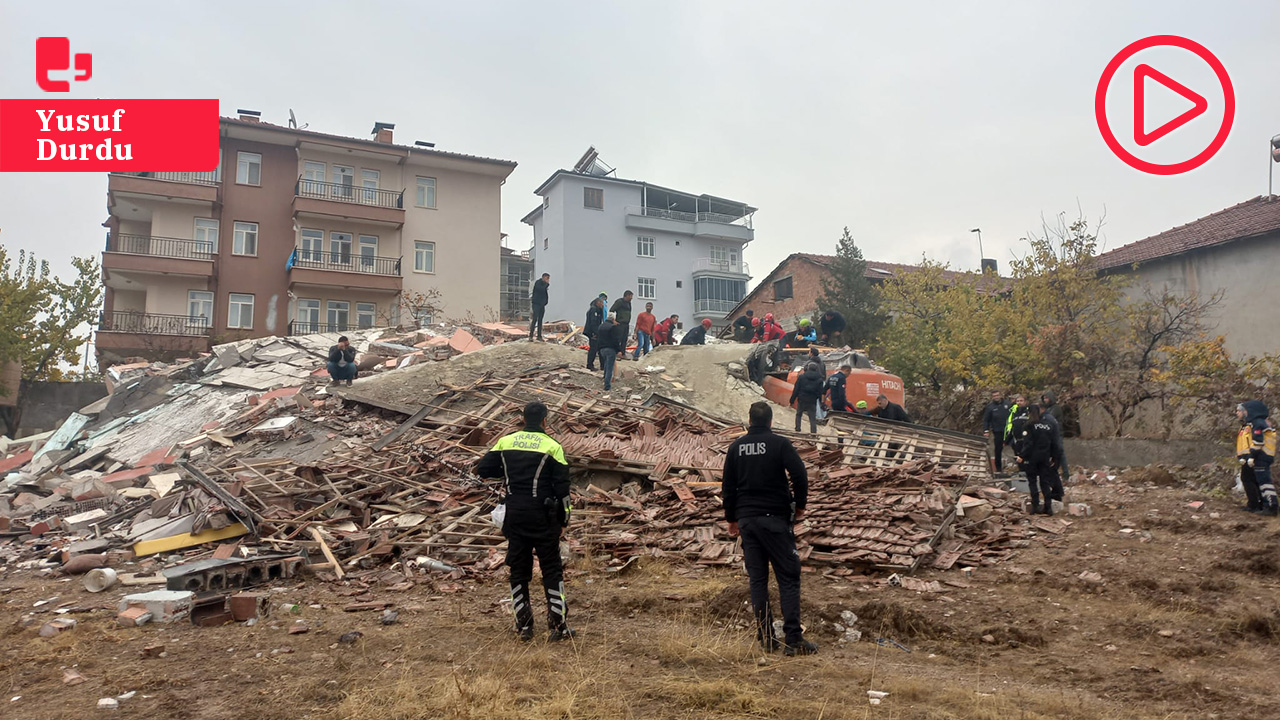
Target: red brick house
[792,289]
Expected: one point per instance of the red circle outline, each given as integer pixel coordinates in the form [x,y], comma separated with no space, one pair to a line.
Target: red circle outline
[1100,104]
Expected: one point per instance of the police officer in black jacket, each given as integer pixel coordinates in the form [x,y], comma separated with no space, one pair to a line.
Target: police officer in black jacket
[761,506]
[537,511]
[595,316]
[994,417]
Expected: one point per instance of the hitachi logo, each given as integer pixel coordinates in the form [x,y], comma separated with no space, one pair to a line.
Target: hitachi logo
[751,449]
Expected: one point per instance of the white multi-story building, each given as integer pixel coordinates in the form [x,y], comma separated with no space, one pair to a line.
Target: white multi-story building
[595,232]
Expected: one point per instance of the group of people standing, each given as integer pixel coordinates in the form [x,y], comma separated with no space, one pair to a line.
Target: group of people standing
[1034,433]
[608,328]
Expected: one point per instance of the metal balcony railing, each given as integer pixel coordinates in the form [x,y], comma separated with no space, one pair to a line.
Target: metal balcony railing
[299,327]
[713,307]
[192,178]
[724,266]
[160,246]
[680,216]
[128,321]
[344,262]
[341,192]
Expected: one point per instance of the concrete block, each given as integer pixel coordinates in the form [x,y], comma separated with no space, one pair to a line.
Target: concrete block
[245,606]
[79,521]
[53,627]
[164,605]
[1079,510]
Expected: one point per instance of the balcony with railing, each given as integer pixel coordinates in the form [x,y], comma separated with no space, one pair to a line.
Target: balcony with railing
[201,186]
[713,308]
[350,202]
[158,255]
[140,323]
[707,224]
[301,327]
[719,266]
[344,269]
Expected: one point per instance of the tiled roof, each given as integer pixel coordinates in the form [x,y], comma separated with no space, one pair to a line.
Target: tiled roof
[875,270]
[1251,218]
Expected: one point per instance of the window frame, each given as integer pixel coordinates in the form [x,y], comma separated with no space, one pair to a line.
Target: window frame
[215,226]
[418,253]
[315,253]
[372,314]
[368,263]
[791,291]
[340,258]
[651,283]
[240,236]
[337,306]
[420,195]
[313,307]
[585,191]
[232,302]
[208,300]
[652,246]
[242,160]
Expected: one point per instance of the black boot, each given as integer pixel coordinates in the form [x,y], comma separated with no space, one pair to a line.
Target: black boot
[558,615]
[801,647]
[523,612]
[764,631]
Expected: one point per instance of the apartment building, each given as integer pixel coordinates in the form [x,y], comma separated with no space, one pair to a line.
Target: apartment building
[516,285]
[298,232]
[595,232]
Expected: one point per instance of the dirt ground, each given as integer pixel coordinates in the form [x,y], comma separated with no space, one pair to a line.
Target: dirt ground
[1183,622]
[704,378]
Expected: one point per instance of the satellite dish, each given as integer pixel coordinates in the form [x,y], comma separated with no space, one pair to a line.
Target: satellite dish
[293,120]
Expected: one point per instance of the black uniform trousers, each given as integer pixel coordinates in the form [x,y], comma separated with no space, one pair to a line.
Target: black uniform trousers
[530,531]
[998,437]
[1258,486]
[769,540]
[807,408]
[536,312]
[1042,477]
[593,351]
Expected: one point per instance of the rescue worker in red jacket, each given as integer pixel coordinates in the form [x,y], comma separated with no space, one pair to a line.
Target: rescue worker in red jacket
[772,330]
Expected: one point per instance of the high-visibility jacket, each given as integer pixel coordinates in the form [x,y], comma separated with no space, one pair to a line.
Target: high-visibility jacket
[534,469]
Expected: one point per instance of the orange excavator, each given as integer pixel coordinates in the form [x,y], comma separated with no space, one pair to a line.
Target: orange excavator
[866,382]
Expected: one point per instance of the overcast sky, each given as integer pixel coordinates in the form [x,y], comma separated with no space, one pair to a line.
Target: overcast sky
[910,124]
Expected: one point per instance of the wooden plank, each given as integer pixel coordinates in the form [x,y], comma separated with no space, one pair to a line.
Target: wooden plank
[328,554]
[404,427]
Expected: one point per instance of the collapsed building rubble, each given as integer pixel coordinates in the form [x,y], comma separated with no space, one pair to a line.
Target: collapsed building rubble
[244,467]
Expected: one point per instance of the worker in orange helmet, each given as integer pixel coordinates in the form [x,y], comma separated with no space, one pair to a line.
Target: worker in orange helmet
[772,330]
[698,335]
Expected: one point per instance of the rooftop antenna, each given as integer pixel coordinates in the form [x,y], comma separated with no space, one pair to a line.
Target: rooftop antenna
[293,120]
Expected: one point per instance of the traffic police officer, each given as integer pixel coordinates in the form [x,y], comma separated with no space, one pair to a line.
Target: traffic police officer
[761,506]
[537,511]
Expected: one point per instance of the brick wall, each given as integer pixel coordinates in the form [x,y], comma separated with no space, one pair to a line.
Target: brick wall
[806,286]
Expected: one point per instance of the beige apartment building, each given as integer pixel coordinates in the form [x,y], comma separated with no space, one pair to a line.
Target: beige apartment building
[298,232]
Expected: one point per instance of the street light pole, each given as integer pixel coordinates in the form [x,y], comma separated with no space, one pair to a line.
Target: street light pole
[981,255]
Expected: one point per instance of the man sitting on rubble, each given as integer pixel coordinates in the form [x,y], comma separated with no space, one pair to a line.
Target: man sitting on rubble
[342,361]
[761,506]
[536,478]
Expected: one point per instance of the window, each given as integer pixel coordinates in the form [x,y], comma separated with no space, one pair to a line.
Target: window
[240,311]
[423,317]
[546,243]
[645,246]
[245,241]
[366,314]
[206,236]
[679,284]
[338,312]
[368,252]
[313,178]
[340,248]
[424,256]
[646,288]
[344,179]
[308,317]
[369,183]
[593,198]
[426,192]
[200,308]
[312,245]
[248,168]
[782,289]
[717,295]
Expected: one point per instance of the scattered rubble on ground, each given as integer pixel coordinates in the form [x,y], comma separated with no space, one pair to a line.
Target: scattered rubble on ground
[193,483]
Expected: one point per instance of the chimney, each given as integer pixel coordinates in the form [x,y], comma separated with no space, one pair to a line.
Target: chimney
[382,132]
[249,115]
[990,265]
